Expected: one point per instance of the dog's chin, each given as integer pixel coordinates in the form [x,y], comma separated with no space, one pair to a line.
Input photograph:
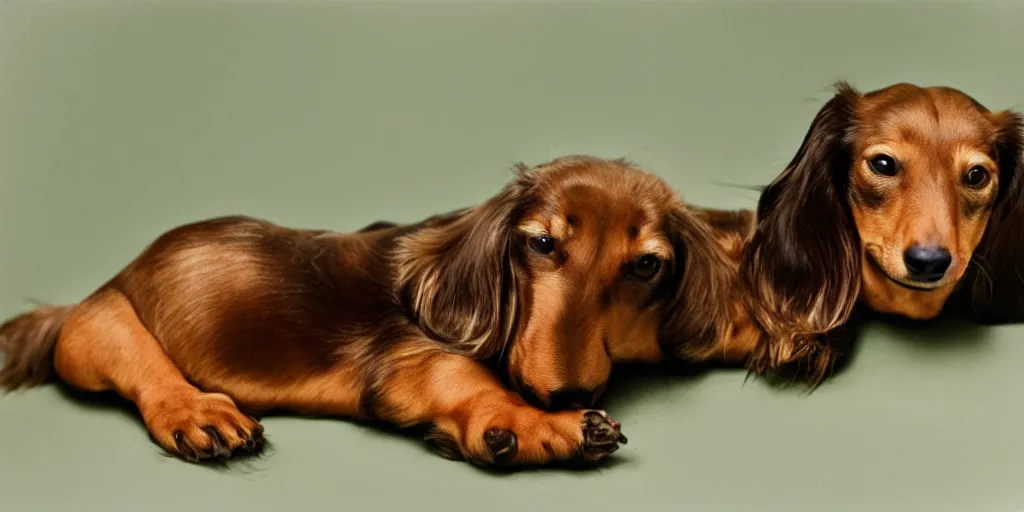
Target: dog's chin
[916,286]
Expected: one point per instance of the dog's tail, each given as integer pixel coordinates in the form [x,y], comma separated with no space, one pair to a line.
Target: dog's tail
[28,341]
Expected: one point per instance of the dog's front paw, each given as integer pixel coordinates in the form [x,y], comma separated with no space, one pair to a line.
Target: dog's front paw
[601,436]
[533,437]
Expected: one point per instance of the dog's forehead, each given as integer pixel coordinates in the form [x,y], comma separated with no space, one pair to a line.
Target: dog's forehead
[591,208]
[602,195]
[939,116]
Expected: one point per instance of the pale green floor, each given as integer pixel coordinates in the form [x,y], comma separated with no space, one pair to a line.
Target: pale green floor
[120,121]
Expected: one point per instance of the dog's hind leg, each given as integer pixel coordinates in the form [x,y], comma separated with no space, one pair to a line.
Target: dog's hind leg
[103,346]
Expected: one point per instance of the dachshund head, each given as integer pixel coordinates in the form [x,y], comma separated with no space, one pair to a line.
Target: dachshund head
[888,200]
[575,264]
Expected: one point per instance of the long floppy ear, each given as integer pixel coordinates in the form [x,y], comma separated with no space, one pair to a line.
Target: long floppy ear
[997,281]
[802,264]
[456,278]
[699,290]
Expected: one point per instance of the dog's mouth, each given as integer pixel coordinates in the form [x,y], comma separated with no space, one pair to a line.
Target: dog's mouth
[910,285]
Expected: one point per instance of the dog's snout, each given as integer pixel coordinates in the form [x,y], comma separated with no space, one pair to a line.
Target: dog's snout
[572,398]
[927,264]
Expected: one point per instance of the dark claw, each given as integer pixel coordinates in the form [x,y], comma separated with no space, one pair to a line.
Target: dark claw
[186,450]
[502,443]
[255,439]
[218,446]
[249,441]
[255,444]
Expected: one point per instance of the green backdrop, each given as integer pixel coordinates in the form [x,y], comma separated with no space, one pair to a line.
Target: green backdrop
[121,120]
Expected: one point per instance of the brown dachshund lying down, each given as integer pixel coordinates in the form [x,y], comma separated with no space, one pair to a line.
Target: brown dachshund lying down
[899,200]
[575,264]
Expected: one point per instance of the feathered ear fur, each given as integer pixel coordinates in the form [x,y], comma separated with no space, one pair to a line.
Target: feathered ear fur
[996,285]
[802,265]
[699,310]
[456,277]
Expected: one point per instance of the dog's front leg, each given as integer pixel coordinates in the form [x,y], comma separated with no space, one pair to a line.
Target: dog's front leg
[472,416]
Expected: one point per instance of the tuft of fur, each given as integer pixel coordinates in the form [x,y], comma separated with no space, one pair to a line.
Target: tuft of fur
[28,341]
[801,359]
[809,359]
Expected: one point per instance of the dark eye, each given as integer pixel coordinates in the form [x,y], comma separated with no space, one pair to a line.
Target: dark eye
[543,244]
[976,177]
[646,267]
[883,164]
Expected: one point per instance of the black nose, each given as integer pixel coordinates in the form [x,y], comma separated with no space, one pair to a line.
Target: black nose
[927,264]
[573,398]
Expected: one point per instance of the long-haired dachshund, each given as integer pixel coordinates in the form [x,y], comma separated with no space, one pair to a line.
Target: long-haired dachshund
[897,200]
[411,325]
